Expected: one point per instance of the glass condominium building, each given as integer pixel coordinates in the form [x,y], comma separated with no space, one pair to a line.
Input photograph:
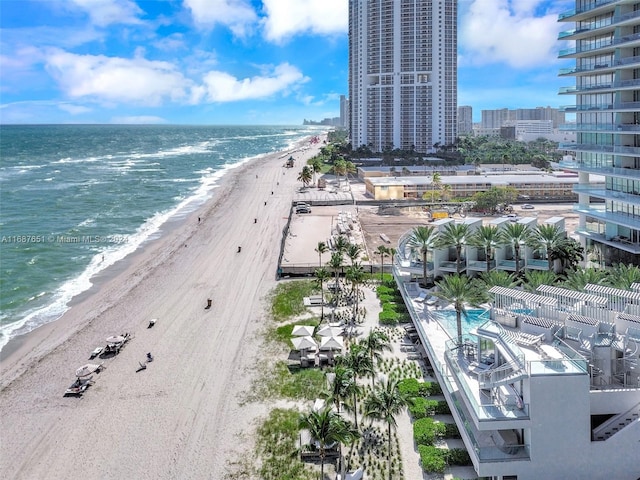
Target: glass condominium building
[606,47]
[403,74]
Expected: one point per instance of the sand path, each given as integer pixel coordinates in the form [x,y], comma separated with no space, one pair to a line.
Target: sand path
[179,418]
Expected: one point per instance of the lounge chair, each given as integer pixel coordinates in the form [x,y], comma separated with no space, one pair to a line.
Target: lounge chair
[422,297]
[96,352]
[431,301]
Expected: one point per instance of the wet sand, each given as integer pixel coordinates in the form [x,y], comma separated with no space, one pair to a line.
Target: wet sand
[180,417]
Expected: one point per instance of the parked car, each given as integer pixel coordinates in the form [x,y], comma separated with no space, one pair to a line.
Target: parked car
[527,206]
[303,209]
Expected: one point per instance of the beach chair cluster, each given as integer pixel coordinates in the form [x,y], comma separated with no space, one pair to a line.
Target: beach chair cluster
[85,374]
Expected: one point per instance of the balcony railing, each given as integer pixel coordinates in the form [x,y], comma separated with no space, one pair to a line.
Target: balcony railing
[626,197]
[599,127]
[484,411]
[606,22]
[601,107]
[629,221]
[613,42]
[590,147]
[586,8]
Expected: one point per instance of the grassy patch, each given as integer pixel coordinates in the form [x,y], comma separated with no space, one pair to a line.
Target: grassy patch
[278,447]
[302,384]
[287,301]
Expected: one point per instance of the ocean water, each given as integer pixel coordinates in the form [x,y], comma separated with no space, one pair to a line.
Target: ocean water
[75,199]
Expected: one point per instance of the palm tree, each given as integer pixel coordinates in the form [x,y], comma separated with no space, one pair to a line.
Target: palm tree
[355,275]
[579,278]
[498,278]
[534,278]
[383,252]
[327,427]
[384,404]
[341,244]
[342,385]
[421,241]
[454,235]
[320,249]
[359,362]
[353,252]
[322,275]
[547,237]
[316,167]
[459,290]
[487,237]
[436,181]
[336,265]
[569,252]
[622,276]
[516,235]
[374,344]
[306,175]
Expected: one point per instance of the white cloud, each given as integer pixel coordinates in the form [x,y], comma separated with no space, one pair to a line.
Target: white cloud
[222,87]
[286,18]
[112,79]
[108,12]
[504,31]
[236,14]
[138,120]
[74,109]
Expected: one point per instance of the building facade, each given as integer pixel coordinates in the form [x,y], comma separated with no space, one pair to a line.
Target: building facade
[607,110]
[465,120]
[403,73]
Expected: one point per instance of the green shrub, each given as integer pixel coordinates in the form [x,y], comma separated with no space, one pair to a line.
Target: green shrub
[410,387]
[433,459]
[421,407]
[384,290]
[458,456]
[427,430]
[451,431]
[386,299]
[433,388]
[388,317]
[442,408]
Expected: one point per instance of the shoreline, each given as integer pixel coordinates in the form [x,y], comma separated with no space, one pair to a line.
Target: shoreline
[187,400]
[21,345]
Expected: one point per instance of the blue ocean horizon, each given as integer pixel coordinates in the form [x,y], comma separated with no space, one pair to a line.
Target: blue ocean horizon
[75,199]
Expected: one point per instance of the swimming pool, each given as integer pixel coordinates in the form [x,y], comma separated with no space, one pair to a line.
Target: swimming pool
[473,319]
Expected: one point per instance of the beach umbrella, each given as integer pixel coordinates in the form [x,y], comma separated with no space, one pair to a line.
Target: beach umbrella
[327,331]
[302,330]
[331,343]
[304,343]
[115,339]
[87,369]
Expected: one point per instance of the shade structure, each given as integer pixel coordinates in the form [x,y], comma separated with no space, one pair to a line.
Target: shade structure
[304,343]
[87,369]
[331,343]
[115,339]
[328,331]
[302,330]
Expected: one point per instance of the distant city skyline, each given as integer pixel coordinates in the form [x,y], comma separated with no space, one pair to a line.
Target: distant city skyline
[244,61]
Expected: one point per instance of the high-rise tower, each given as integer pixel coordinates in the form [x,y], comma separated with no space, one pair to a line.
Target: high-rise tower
[607,109]
[403,73]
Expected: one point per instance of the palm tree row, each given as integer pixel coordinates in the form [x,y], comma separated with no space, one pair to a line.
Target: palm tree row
[384,402]
[549,239]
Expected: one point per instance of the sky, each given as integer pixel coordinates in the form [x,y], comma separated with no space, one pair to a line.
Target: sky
[252,62]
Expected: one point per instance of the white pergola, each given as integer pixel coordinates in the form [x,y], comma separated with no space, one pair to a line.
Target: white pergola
[568,298]
[617,297]
[506,297]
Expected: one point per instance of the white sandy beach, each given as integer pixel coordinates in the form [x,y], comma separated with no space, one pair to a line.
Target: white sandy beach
[179,418]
